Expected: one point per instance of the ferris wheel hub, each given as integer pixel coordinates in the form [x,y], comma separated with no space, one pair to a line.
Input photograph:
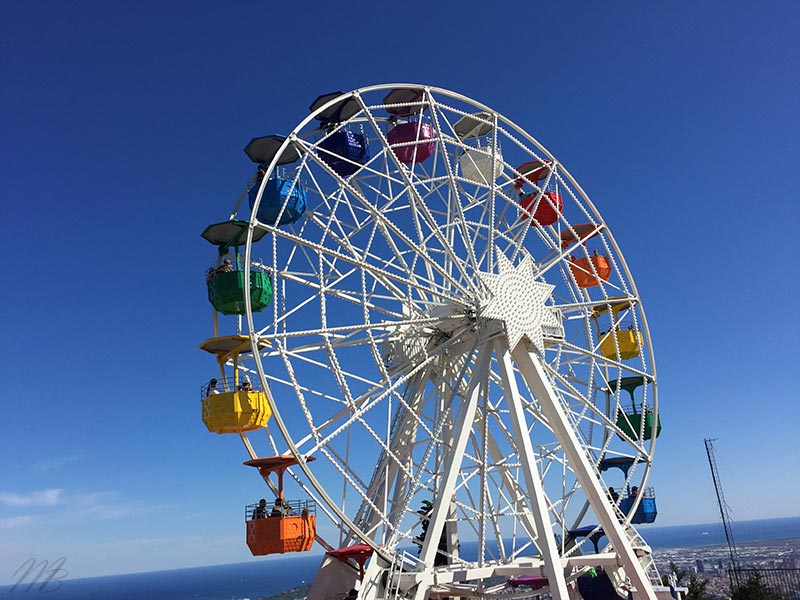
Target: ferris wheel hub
[520,302]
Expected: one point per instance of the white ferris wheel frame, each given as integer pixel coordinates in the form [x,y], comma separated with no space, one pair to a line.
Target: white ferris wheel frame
[522,361]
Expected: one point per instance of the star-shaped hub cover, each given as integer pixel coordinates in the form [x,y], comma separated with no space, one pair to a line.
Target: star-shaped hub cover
[519,301]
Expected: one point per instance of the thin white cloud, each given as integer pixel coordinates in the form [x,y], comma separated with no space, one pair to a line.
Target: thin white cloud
[104,506]
[49,497]
[71,506]
[187,541]
[21,521]
[58,462]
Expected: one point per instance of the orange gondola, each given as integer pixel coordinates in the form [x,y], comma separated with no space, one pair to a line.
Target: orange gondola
[290,526]
[590,270]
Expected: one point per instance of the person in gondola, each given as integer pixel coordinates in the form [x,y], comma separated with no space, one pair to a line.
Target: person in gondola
[634,492]
[280,508]
[211,388]
[613,495]
[260,511]
[226,266]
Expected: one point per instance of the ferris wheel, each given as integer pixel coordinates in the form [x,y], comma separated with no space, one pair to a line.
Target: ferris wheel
[442,348]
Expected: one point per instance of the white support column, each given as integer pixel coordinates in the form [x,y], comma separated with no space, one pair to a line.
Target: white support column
[533,373]
[462,430]
[545,539]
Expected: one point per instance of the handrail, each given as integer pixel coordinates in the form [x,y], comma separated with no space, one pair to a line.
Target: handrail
[292,508]
[227,385]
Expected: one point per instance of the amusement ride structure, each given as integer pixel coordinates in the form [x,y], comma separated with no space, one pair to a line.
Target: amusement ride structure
[425,330]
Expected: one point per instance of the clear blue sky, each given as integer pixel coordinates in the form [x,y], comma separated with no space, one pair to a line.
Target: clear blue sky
[122,134]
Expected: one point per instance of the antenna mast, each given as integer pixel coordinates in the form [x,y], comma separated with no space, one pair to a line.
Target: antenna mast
[723,506]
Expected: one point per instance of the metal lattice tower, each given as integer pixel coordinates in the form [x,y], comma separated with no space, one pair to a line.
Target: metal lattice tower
[723,506]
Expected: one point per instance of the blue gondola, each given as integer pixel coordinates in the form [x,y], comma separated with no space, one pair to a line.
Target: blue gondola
[593,532]
[345,151]
[277,193]
[646,512]
[623,463]
[599,587]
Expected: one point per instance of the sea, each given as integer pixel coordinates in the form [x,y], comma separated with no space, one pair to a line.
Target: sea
[256,580]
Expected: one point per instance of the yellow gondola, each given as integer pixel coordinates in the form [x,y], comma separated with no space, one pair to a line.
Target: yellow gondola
[629,342]
[233,405]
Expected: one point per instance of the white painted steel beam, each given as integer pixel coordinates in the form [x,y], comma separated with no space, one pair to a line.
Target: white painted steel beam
[533,373]
[462,430]
[545,539]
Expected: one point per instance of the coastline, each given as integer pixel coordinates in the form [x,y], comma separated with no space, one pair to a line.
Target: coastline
[267,578]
